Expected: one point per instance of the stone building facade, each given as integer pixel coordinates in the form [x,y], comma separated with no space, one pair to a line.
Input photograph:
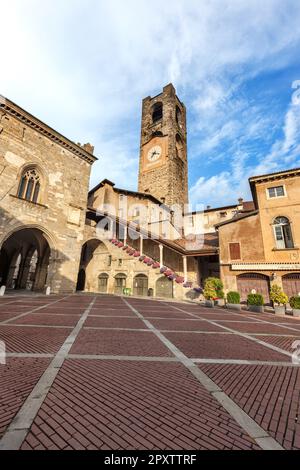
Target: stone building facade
[56,233]
[44,182]
[262,247]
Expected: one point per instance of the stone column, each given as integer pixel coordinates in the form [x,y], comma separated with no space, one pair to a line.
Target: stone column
[141,244]
[125,234]
[184,258]
[161,255]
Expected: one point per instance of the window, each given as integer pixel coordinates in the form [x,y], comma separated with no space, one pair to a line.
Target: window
[223,214]
[109,260]
[283,233]
[157,112]
[136,212]
[178,115]
[277,191]
[120,262]
[191,221]
[30,186]
[235,251]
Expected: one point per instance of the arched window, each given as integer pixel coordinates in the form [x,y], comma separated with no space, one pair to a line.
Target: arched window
[157,134]
[157,112]
[179,146]
[30,185]
[283,233]
[178,115]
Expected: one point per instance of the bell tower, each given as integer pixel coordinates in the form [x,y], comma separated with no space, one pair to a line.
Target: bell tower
[163,170]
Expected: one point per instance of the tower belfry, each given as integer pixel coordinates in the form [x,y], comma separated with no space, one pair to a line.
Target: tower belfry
[163,170]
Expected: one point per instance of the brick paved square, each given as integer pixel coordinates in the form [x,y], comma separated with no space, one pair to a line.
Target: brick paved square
[222,347]
[164,314]
[135,404]
[17,379]
[46,319]
[281,342]
[225,317]
[118,406]
[184,325]
[258,328]
[269,394]
[124,343]
[113,322]
[109,312]
[33,339]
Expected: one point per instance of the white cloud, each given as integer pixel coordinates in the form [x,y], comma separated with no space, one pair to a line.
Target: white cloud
[84,66]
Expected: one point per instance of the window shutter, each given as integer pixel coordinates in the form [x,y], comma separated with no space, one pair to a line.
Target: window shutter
[235,251]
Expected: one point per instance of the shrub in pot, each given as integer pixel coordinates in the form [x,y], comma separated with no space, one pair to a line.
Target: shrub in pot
[209,295]
[295,305]
[233,300]
[255,303]
[213,291]
[279,299]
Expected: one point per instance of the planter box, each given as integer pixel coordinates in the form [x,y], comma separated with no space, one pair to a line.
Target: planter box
[279,310]
[220,302]
[256,308]
[237,307]
[209,303]
[296,312]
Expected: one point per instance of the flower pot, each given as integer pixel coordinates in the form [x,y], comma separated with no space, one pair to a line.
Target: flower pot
[236,307]
[220,302]
[209,303]
[296,312]
[279,309]
[256,308]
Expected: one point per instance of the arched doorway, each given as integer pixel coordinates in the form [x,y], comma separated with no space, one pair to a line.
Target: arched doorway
[102,283]
[291,284]
[253,281]
[140,285]
[120,283]
[81,281]
[24,260]
[94,259]
[164,288]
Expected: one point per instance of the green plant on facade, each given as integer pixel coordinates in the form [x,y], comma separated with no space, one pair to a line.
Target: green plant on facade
[295,303]
[213,288]
[277,296]
[233,298]
[256,299]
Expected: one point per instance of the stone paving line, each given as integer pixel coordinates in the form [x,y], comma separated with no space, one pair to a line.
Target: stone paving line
[19,427]
[259,435]
[106,357]
[32,311]
[238,333]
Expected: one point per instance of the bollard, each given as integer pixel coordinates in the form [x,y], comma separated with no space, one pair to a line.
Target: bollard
[48,291]
[2,291]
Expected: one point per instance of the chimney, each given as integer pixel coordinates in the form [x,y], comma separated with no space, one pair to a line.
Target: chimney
[208,207]
[240,200]
[88,148]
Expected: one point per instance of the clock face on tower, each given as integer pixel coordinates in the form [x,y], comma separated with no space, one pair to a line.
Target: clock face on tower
[154,153]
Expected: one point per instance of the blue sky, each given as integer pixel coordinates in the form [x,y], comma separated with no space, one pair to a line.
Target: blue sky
[83,67]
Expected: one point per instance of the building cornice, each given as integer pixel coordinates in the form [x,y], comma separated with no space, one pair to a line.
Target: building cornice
[14,110]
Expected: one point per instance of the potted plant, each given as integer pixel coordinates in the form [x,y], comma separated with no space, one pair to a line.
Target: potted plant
[213,291]
[210,291]
[233,301]
[255,303]
[279,299]
[295,305]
